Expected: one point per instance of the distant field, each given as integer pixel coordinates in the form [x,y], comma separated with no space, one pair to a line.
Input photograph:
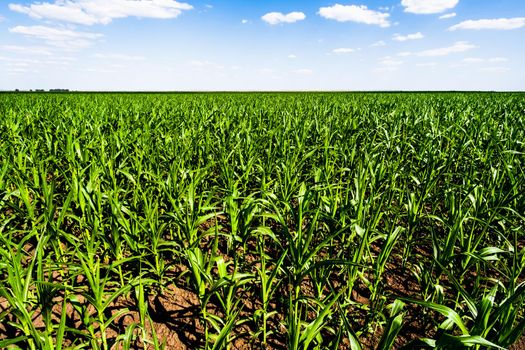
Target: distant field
[262,220]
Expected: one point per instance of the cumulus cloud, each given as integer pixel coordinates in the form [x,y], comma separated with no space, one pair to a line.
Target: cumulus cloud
[17,70]
[27,50]
[496,24]
[244,21]
[274,18]
[414,36]
[118,57]
[18,64]
[90,12]
[390,62]
[303,71]
[385,69]
[49,33]
[201,65]
[485,60]
[354,13]
[378,44]
[59,37]
[495,69]
[426,64]
[18,61]
[428,6]
[460,46]
[448,15]
[473,60]
[344,50]
[497,60]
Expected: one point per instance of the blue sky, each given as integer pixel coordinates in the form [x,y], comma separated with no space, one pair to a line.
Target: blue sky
[262,45]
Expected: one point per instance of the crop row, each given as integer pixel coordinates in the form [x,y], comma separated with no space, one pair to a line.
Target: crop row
[297,221]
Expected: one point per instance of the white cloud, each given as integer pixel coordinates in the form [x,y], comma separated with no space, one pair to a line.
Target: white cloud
[473,60]
[100,70]
[274,18]
[497,60]
[303,71]
[17,70]
[414,36]
[354,13]
[292,56]
[57,61]
[89,12]
[71,45]
[29,50]
[18,64]
[428,6]
[378,44]
[59,11]
[244,21]
[118,57]
[448,15]
[390,62]
[205,66]
[483,60]
[48,33]
[404,54]
[497,24]
[460,46]
[59,37]
[2,19]
[344,50]
[495,69]
[386,69]
[26,62]
[426,64]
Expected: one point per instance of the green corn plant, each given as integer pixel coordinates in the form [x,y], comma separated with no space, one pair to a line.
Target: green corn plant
[130,335]
[99,296]
[493,312]
[191,211]
[268,279]
[240,212]
[302,334]
[297,200]
[225,289]
[394,325]
[17,290]
[380,263]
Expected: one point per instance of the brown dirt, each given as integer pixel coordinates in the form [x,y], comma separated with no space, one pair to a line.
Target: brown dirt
[519,345]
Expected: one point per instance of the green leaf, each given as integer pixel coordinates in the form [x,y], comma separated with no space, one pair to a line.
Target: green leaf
[313,329]
[447,341]
[444,310]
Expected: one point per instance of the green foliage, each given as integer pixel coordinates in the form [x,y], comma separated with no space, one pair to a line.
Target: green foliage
[296,220]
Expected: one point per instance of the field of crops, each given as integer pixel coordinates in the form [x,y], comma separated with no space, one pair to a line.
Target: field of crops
[262,221]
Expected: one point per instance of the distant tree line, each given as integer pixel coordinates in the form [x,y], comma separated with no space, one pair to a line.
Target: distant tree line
[42,90]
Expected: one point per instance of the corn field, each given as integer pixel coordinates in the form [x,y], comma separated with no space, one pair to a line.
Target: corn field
[262,221]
